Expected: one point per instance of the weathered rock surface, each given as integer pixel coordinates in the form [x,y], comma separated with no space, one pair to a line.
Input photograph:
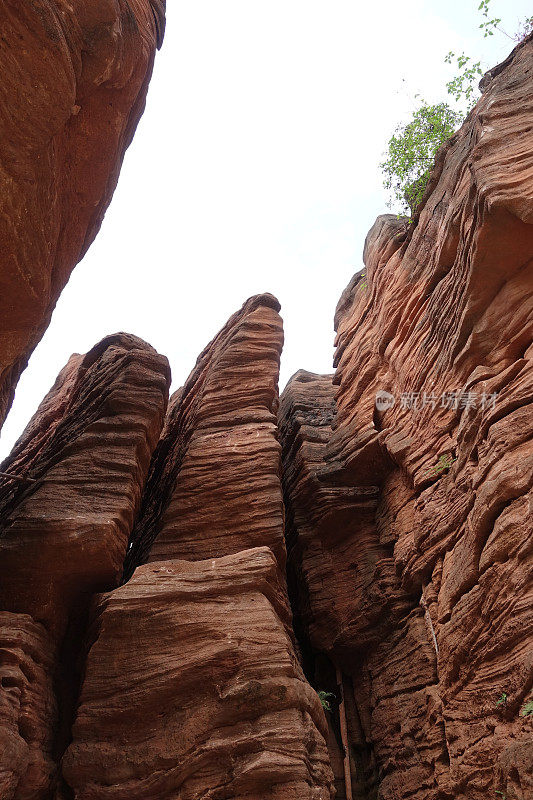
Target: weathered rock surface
[81,466]
[193,690]
[214,486]
[347,600]
[27,708]
[192,685]
[329,525]
[74,80]
[436,633]
[65,519]
[407,476]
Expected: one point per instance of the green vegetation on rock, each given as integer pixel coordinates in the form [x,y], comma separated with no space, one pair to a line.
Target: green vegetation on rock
[411,153]
[411,150]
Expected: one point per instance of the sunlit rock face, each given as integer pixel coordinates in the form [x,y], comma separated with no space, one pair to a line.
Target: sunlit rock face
[68,496]
[74,81]
[426,601]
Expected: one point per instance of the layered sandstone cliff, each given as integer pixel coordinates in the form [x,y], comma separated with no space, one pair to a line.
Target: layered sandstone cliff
[74,81]
[28,708]
[192,686]
[214,485]
[68,496]
[193,689]
[408,475]
[149,557]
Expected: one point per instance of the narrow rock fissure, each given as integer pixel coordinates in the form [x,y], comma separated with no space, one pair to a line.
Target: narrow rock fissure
[67,685]
[324,677]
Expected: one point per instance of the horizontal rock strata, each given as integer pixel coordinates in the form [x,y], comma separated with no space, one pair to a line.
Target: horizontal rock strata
[75,77]
[193,690]
[28,710]
[348,601]
[192,684]
[329,525]
[68,495]
[72,484]
[407,478]
[433,404]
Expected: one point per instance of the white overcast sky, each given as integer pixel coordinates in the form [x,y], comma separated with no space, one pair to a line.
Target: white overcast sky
[255,168]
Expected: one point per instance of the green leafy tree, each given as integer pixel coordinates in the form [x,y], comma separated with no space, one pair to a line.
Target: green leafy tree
[464,86]
[411,150]
[488,26]
[411,153]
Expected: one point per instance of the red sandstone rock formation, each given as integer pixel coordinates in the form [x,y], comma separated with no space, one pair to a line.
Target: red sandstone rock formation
[74,81]
[408,522]
[429,605]
[214,486]
[28,710]
[66,516]
[197,650]
[193,690]
[79,471]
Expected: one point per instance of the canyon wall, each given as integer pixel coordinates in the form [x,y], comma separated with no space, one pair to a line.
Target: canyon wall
[193,689]
[408,476]
[74,82]
[181,581]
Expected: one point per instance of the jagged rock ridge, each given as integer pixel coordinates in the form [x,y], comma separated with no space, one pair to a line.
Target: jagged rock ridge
[219,448]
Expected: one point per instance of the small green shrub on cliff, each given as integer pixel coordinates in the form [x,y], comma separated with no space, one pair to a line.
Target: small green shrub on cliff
[411,150]
[444,462]
[325,700]
[411,153]
[463,87]
[527,710]
[503,700]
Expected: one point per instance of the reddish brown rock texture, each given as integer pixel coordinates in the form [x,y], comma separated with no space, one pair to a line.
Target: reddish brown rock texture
[409,524]
[193,689]
[65,519]
[81,465]
[214,486]
[74,83]
[192,686]
[28,710]
[429,605]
